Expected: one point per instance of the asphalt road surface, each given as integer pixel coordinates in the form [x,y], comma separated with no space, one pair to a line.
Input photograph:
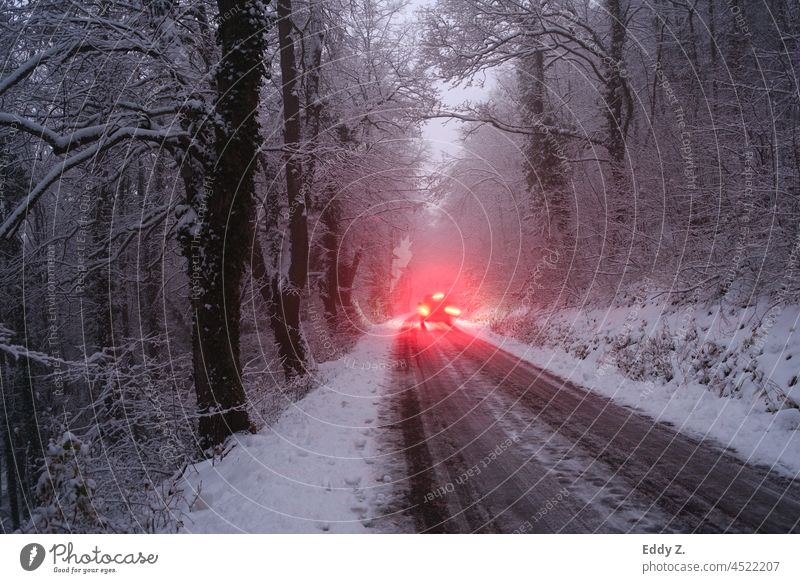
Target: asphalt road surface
[494,444]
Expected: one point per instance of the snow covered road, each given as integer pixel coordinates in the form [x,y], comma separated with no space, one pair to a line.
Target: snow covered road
[494,444]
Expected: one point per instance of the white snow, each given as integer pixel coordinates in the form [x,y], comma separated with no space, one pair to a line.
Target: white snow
[741,423]
[317,469]
[320,467]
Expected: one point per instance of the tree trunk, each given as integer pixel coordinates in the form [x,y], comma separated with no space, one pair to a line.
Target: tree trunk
[228,225]
[269,290]
[22,437]
[311,75]
[11,467]
[347,275]
[149,318]
[99,287]
[287,292]
[330,259]
[614,87]
[19,418]
[616,126]
[544,171]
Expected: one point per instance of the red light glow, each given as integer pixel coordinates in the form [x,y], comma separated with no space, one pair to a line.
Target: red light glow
[424,310]
[438,296]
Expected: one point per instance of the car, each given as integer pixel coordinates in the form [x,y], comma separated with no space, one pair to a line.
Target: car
[438,307]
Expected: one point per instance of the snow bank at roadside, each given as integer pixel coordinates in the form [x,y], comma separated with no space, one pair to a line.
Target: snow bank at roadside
[725,374]
[317,469]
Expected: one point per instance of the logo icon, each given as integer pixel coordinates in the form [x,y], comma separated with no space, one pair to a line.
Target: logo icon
[31,556]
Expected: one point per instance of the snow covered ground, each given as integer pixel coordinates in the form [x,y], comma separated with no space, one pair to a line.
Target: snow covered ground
[720,373]
[318,469]
[724,374]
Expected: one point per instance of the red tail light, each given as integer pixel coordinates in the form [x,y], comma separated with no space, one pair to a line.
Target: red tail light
[424,310]
[438,296]
[452,310]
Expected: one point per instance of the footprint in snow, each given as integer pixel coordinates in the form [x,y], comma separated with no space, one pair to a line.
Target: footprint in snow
[352,480]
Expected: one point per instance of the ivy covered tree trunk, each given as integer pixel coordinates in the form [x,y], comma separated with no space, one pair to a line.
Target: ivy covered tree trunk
[227,225]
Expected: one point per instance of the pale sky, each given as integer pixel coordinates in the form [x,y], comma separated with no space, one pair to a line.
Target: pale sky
[442,135]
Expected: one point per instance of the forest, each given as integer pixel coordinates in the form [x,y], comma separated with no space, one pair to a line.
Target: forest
[203,202]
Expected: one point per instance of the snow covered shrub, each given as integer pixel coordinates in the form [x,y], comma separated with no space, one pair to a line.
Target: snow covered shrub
[141,430]
[165,506]
[64,492]
[538,329]
[775,398]
[269,394]
[642,356]
[704,360]
[581,350]
[727,373]
[508,324]
[534,333]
